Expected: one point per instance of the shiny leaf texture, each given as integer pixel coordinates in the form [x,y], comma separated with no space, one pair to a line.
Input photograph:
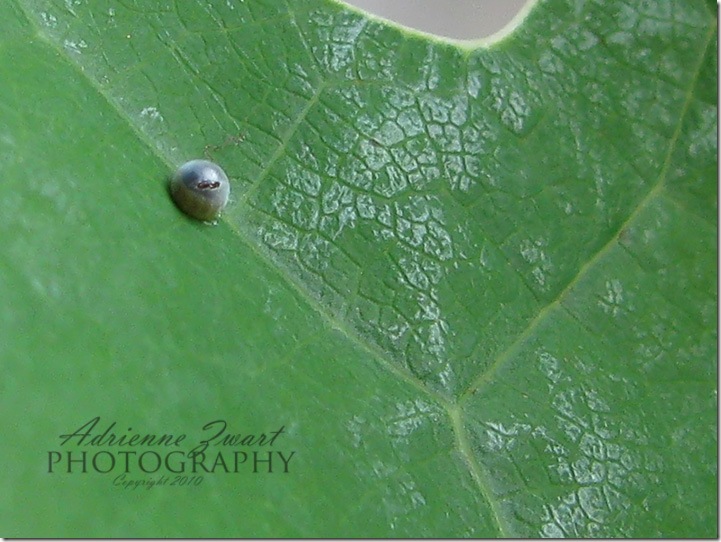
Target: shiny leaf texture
[475,283]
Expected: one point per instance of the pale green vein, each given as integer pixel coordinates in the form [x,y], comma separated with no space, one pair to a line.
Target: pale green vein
[280,150]
[486,376]
[683,206]
[477,473]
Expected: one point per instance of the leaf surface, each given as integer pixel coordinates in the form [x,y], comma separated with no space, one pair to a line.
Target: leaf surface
[475,285]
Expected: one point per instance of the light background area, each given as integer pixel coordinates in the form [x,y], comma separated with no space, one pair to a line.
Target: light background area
[459,19]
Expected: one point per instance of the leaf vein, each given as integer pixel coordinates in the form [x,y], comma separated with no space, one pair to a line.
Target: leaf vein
[485,376]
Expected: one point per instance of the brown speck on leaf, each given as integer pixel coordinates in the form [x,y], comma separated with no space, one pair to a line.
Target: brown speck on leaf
[231,140]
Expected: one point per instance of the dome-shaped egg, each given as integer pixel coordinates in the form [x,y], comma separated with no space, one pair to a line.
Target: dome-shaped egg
[200,189]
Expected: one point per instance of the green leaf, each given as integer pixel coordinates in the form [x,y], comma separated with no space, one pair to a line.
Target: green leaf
[474,284]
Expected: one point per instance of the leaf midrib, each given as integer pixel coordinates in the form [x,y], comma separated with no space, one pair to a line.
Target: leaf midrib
[454,407]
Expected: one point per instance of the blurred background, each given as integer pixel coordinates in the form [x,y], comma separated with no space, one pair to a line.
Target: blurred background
[459,19]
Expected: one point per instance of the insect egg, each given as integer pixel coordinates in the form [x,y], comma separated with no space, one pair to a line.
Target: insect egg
[200,189]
